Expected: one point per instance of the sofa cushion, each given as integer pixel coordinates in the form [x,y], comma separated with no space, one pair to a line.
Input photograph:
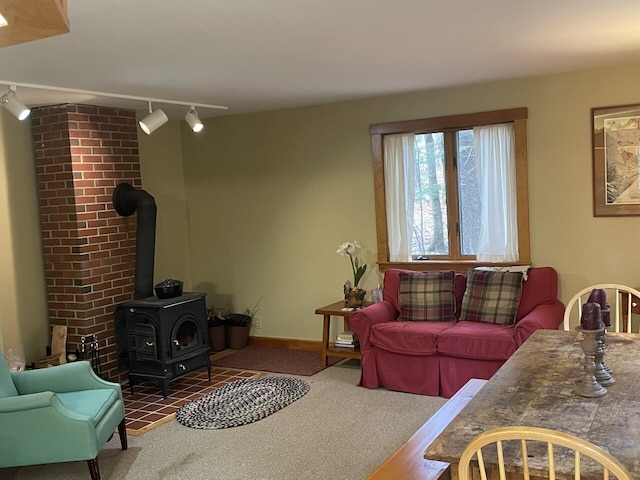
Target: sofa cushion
[427,296]
[492,297]
[409,338]
[392,284]
[482,341]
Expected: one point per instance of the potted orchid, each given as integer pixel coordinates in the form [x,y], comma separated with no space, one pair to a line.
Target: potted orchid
[353,294]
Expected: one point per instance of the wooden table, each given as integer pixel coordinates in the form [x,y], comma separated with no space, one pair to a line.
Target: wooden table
[329,349]
[535,387]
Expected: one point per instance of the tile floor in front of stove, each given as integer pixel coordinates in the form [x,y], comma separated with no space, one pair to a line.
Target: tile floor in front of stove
[146,408]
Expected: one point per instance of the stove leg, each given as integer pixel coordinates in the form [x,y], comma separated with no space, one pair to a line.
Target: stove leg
[165,388]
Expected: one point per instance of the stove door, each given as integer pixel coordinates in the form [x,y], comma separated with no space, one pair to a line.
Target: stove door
[145,342]
[185,335]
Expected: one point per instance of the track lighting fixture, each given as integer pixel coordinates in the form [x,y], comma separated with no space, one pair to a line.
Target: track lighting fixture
[192,119]
[148,124]
[153,121]
[10,101]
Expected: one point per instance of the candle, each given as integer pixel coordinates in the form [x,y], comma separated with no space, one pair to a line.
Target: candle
[590,316]
[598,295]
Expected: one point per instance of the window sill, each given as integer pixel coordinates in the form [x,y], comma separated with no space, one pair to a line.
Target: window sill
[430,265]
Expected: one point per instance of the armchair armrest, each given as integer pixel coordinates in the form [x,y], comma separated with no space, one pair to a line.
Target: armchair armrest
[69,377]
[544,316]
[361,321]
[38,402]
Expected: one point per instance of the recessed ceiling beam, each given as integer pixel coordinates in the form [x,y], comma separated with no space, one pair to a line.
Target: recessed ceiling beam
[32,20]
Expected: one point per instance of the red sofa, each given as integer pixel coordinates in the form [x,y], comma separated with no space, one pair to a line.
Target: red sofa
[438,358]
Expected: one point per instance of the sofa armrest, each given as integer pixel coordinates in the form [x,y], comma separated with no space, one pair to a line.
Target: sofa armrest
[544,316]
[69,377]
[361,321]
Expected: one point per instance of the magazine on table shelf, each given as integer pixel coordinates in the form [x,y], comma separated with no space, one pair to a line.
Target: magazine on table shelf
[347,339]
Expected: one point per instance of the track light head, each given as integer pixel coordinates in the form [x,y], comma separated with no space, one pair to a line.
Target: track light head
[192,119]
[10,101]
[153,121]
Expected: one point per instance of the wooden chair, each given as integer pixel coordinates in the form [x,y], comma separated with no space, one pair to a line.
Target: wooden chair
[533,452]
[623,302]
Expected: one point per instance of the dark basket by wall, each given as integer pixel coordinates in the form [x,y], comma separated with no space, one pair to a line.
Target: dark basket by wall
[238,319]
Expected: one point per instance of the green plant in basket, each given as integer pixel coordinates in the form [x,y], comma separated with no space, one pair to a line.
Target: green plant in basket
[241,319]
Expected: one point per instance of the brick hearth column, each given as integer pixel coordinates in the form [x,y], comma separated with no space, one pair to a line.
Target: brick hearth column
[82,152]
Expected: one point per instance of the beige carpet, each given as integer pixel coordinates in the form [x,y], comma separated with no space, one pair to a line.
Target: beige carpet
[338,431]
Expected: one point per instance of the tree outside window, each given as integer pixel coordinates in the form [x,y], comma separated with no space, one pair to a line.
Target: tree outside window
[446,218]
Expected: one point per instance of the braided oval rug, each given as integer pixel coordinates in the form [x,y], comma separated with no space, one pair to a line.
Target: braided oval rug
[241,402]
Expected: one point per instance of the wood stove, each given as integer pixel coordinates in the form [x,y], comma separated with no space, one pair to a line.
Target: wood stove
[162,339]
[156,339]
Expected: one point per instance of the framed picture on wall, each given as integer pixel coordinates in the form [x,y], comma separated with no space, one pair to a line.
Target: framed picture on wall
[616,160]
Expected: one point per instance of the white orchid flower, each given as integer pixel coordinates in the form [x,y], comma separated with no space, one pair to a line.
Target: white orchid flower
[350,249]
[342,249]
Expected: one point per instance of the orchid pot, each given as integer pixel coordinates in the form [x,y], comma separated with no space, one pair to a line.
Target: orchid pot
[354,298]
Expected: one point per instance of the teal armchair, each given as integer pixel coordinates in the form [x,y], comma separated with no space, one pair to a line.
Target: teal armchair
[58,414]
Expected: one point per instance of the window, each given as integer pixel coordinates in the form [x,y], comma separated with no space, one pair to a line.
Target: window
[451,192]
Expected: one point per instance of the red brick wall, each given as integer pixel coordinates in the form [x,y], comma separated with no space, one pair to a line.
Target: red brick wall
[82,152]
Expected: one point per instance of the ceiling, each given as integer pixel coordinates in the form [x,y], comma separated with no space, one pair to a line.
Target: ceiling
[257,55]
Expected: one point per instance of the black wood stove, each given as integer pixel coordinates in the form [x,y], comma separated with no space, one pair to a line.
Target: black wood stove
[156,339]
[161,339]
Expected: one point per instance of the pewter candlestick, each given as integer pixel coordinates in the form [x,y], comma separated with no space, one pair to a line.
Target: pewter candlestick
[604,338]
[588,385]
[603,376]
[602,373]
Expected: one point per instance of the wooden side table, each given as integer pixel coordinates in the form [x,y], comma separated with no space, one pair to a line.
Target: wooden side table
[329,349]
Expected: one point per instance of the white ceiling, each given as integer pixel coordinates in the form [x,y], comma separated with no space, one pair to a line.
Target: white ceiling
[256,55]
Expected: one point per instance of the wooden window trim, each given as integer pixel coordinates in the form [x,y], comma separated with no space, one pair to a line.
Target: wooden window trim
[517,116]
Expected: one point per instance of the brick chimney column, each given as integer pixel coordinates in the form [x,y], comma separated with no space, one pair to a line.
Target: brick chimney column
[82,152]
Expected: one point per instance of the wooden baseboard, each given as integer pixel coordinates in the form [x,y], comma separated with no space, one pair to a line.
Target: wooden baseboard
[288,343]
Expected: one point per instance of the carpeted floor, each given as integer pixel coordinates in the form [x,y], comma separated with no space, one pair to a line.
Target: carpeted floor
[275,360]
[337,431]
[147,409]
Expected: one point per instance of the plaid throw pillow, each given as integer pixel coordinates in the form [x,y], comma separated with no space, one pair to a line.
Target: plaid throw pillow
[426,297]
[491,297]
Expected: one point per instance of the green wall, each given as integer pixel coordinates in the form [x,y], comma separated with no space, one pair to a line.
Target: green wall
[24,318]
[256,205]
[271,195]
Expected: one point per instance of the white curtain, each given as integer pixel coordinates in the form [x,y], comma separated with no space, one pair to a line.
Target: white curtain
[399,184]
[495,157]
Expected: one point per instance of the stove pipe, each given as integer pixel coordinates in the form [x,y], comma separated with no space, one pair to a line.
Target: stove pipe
[126,200]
